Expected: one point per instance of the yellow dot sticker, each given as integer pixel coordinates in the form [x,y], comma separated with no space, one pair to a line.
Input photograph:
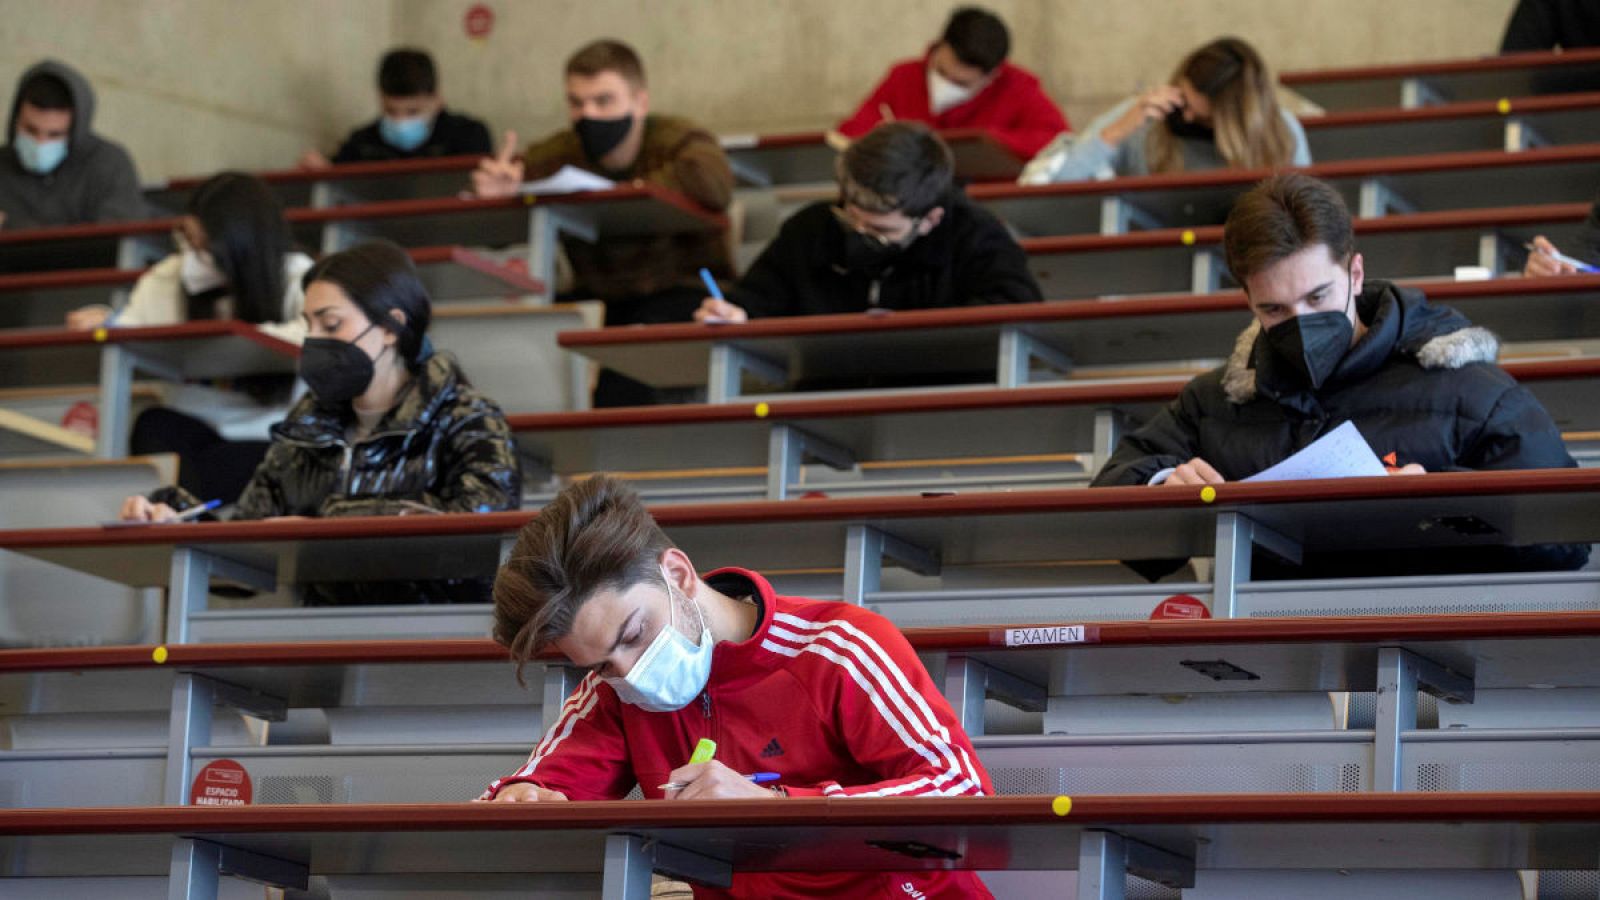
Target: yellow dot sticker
[1061,805]
[763,410]
[1188,237]
[1503,106]
[530,199]
[1208,494]
[159,655]
[100,335]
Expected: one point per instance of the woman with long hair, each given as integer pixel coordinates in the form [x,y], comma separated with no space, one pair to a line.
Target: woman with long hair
[1219,110]
[235,260]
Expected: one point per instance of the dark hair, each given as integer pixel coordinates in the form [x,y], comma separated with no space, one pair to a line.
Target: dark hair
[977,37]
[46,91]
[407,72]
[379,277]
[1282,216]
[248,237]
[596,534]
[607,56]
[900,166]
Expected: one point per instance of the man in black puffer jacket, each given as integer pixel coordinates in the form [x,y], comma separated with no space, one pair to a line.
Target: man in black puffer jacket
[1327,347]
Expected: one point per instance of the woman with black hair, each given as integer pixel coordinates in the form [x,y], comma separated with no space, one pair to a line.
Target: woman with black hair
[235,260]
[388,428]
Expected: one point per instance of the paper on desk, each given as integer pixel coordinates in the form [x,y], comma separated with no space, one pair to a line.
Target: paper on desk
[568,180]
[1341,453]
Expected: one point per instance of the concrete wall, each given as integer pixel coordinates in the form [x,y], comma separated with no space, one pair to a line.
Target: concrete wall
[769,65]
[191,86]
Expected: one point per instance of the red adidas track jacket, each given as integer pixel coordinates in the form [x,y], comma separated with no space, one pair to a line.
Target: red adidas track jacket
[828,695]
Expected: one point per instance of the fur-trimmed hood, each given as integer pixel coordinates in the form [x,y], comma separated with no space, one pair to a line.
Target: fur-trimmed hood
[1400,321]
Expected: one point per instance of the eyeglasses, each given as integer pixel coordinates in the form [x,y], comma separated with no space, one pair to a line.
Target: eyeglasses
[882,240]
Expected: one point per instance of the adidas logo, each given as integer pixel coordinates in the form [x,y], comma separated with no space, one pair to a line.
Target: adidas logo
[773,748]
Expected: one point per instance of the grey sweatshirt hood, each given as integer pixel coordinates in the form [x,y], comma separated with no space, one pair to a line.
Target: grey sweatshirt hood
[82,136]
[95,183]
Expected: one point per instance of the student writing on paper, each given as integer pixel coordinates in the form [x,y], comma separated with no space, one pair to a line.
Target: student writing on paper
[1219,110]
[236,260]
[55,168]
[827,695]
[965,81]
[900,235]
[1329,346]
[614,134]
[389,427]
[414,123]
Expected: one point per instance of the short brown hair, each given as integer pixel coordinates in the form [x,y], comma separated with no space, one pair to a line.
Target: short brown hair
[596,534]
[1282,216]
[607,55]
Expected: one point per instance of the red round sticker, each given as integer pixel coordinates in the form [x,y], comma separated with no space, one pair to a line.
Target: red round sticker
[82,418]
[479,21]
[221,783]
[1181,606]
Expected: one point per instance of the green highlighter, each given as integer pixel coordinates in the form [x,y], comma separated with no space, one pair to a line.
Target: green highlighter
[704,752]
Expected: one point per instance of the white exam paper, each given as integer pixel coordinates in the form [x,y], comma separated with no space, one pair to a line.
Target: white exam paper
[1341,453]
[568,180]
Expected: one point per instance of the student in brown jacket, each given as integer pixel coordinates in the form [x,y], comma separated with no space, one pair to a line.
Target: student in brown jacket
[613,134]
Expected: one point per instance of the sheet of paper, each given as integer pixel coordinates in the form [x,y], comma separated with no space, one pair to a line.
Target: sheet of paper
[1341,453]
[568,180]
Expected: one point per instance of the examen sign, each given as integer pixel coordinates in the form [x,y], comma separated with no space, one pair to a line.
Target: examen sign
[1044,635]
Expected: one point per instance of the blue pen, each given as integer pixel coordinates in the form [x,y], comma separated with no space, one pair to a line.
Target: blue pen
[753,777]
[195,512]
[711,284]
[1559,257]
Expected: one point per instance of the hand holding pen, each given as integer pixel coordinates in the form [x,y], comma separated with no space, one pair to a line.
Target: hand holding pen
[1545,260]
[703,778]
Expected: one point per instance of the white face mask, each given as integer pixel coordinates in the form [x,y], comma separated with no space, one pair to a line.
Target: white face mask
[672,671]
[944,94]
[199,272]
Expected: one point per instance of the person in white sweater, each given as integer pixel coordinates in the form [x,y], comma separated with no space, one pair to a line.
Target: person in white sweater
[235,260]
[1219,110]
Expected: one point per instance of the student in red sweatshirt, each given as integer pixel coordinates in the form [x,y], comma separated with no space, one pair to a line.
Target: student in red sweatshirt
[827,695]
[964,81]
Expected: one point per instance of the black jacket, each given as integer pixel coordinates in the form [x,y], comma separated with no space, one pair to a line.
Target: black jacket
[1421,384]
[966,260]
[453,135]
[1547,24]
[444,447]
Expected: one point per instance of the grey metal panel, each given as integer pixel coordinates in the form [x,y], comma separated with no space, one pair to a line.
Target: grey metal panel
[61,779]
[513,358]
[41,604]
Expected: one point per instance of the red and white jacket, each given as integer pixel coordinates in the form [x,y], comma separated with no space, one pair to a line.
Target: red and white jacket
[828,695]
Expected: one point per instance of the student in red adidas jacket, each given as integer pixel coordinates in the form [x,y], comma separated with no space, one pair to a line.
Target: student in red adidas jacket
[964,81]
[828,695]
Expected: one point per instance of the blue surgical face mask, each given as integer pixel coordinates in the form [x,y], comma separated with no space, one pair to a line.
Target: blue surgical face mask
[39,157]
[672,671]
[405,134]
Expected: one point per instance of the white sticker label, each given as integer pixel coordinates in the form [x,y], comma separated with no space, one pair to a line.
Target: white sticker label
[1051,634]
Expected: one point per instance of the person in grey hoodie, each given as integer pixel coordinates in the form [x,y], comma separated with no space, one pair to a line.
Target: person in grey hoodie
[54,170]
